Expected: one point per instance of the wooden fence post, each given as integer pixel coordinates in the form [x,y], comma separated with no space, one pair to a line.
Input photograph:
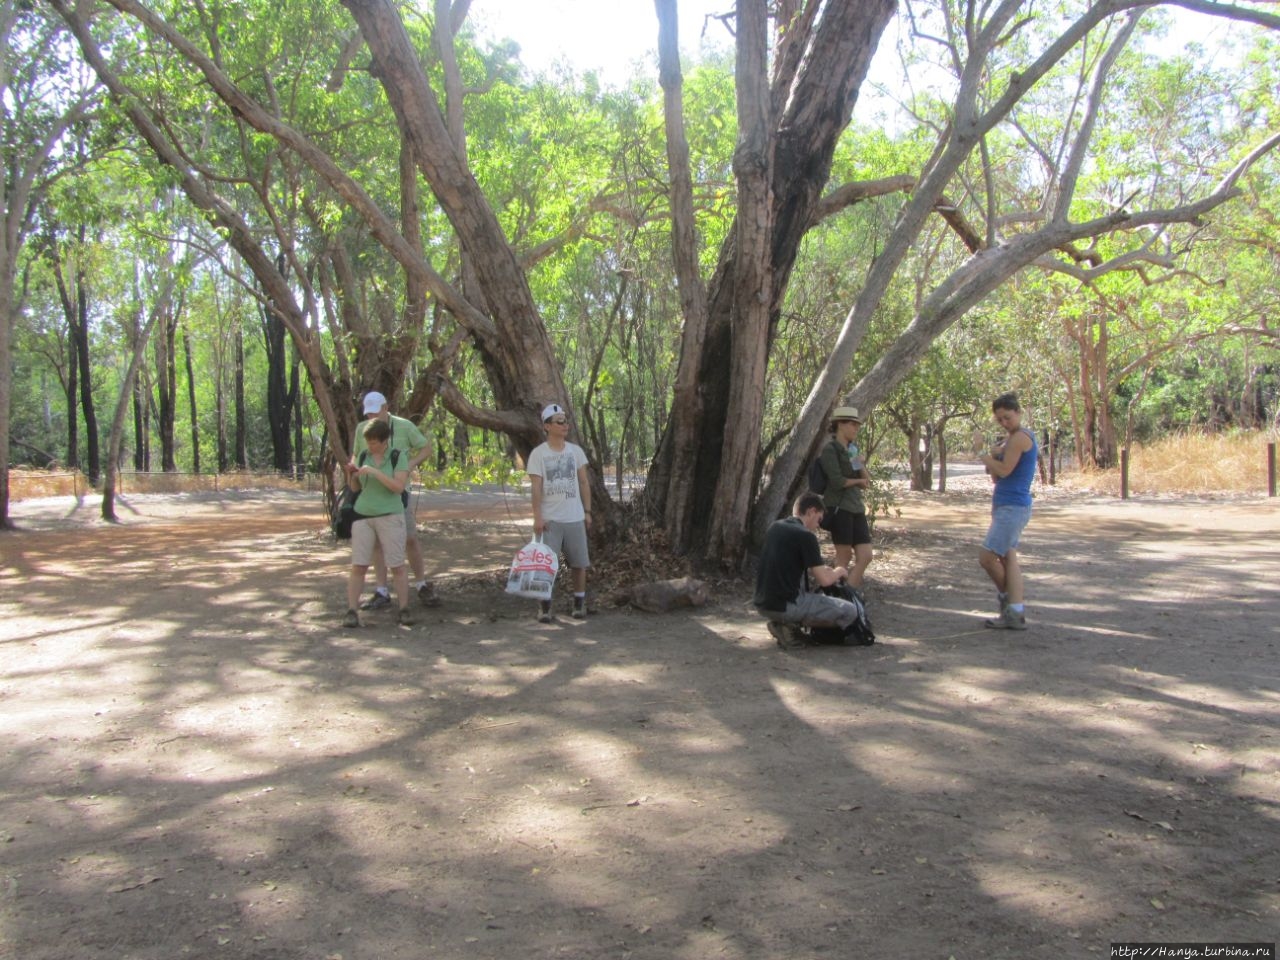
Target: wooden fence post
[1124,473]
[1271,469]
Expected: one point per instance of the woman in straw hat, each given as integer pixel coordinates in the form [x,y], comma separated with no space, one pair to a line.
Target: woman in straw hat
[846,478]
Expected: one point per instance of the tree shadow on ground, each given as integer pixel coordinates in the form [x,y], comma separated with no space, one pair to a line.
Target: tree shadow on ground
[198,762]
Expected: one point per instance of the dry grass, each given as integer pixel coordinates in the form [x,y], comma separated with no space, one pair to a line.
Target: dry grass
[1193,464]
[32,484]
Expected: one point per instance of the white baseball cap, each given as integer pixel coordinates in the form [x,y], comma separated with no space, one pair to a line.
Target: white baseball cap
[550,410]
[374,402]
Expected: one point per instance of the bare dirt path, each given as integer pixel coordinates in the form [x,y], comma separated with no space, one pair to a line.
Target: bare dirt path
[199,763]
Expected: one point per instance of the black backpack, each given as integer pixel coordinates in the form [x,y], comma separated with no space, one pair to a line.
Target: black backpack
[818,477]
[857,634]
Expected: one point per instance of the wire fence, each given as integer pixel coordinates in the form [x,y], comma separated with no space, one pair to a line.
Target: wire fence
[31,485]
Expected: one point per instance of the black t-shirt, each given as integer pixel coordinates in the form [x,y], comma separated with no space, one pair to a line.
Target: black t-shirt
[789,550]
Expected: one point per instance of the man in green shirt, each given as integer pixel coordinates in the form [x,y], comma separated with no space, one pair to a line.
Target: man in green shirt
[414,448]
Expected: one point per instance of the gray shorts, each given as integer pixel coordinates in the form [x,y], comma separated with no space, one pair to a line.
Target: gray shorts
[815,610]
[569,539]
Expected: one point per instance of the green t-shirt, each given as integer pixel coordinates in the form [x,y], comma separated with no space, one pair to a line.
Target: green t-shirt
[375,500]
[405,437]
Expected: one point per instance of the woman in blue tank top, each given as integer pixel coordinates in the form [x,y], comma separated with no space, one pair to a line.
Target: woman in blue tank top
[1012,465]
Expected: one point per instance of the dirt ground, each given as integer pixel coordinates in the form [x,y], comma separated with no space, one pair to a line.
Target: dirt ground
[199,762]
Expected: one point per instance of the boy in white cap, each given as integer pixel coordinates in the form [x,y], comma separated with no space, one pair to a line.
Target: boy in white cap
[562,503]
[414,448]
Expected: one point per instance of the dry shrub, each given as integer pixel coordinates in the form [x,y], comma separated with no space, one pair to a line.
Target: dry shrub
[32,484]
[1188,464]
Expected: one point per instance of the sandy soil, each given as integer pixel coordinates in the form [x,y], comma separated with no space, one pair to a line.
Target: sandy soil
[199,762]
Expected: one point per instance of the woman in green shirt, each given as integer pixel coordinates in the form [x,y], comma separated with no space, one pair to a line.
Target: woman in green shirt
[380,478]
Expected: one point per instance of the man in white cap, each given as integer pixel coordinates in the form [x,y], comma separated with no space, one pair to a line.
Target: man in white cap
[562,503]
[414,448]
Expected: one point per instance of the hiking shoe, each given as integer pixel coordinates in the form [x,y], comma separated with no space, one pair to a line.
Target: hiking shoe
[404,618]
[788,636]
[1008,620]
[427,594]
[579,608]
[379,601]
[352,619]
[544,611]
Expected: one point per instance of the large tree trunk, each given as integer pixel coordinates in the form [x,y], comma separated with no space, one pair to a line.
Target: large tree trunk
[819,68]
[752,290]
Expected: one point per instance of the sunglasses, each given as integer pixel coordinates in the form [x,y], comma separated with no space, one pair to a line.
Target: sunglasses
[558,421]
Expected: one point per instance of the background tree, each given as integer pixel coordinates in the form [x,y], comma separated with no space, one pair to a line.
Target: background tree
[993,156]
[43,94]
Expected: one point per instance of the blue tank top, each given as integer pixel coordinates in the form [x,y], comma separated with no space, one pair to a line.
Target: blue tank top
[1015,489]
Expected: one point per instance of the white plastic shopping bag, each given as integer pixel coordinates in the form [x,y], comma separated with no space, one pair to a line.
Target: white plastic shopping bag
[533,571]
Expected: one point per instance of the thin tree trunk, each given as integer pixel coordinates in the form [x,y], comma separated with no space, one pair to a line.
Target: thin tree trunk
[116,436]
[191,399]
[675,500]
[220,403]
[241,443]
[70,307]
[299,454]
[167,388]
[279,414]
[7,310]
[92,453]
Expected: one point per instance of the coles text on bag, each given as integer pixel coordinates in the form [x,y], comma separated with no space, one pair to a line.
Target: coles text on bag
[533,571]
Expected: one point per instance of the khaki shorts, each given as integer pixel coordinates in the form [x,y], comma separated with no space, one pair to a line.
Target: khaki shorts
[385,531]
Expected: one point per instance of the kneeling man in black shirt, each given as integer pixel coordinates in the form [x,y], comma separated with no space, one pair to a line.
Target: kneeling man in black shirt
[791,577]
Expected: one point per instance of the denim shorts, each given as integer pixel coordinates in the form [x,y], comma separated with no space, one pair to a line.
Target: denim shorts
[1007,523]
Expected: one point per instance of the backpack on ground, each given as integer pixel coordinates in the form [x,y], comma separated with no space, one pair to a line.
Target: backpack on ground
[857,634]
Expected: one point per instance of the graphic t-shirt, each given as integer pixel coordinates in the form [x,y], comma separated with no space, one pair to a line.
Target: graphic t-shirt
[561,498]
